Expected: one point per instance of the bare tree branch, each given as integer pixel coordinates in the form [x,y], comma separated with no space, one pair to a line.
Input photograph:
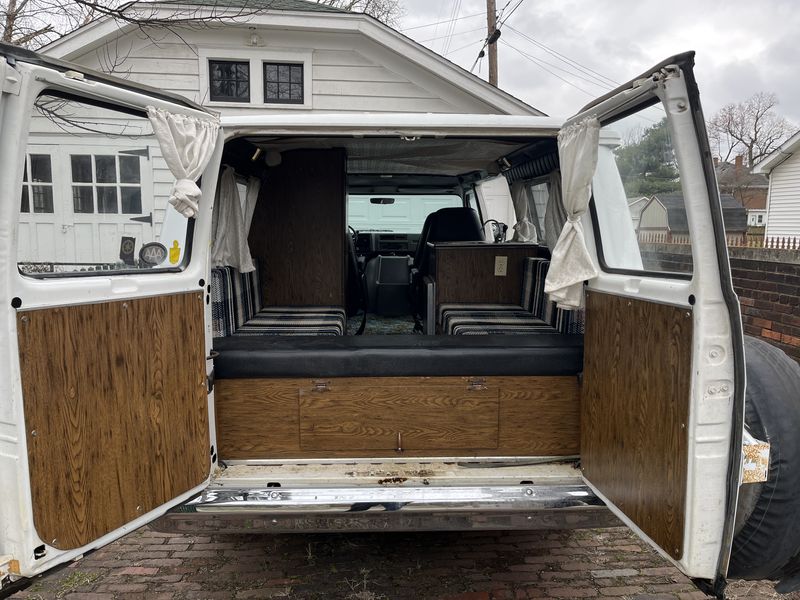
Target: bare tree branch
[34,23]
[751,128]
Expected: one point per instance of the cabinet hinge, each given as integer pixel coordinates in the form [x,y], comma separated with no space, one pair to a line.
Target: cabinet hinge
[321,386]
[476,383]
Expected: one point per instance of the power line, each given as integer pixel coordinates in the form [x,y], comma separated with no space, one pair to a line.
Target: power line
[454,35]
[601,84]
[503,22]
[575,65]
[495,36]
[446,21]
[537,62]
[452,26]
[587,70]
[465,46]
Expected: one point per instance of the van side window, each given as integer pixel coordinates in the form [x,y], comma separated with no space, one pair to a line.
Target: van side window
[641,214]
[95,193]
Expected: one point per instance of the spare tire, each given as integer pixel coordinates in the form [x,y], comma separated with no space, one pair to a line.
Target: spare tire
[767,541]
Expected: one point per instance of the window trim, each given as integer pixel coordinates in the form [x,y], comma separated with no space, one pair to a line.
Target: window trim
[62,179]
[257,57]
[28,184]
[265,63]
[117,185]
[234,62]
[621,270]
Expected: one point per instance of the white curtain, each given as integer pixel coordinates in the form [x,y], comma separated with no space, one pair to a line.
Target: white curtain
[571,263]
[230,248]
[187,144]
[554,215]
[524,229]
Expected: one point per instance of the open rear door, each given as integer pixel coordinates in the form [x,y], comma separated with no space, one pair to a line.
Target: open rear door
[104,408]
[662,409]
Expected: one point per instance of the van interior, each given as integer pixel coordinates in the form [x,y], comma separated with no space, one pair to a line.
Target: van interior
[388,315]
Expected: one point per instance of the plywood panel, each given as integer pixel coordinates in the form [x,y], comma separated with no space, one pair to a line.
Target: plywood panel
[466,272]
[115,411]
[388,416]
[298,231]
[538,416]
[635,408]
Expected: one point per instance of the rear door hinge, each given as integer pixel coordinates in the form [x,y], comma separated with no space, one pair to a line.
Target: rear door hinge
[210,381]
[11,79]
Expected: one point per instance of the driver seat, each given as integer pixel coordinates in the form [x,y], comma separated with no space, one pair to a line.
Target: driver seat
[452,224]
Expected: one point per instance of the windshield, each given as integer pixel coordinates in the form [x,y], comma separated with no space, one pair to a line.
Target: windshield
[395,214]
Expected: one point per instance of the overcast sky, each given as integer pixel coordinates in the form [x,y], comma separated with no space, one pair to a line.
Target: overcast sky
[743,46]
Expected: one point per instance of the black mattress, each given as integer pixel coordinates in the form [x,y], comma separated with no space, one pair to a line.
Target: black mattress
[397,356]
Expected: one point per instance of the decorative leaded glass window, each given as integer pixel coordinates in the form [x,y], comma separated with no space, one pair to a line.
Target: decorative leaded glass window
[229,81]
[283,83]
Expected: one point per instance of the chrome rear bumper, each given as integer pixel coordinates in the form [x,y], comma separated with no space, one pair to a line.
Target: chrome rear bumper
[394,508]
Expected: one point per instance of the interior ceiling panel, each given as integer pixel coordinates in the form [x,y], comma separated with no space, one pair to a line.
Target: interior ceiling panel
[398,156]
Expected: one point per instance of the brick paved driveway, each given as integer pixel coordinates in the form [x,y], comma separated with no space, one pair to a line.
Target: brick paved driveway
[454,566]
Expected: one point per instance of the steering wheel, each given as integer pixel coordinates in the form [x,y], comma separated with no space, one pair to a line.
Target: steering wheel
[353,234]
[498,230]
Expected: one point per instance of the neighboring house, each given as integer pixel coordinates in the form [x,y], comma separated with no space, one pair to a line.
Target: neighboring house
[756,218]
[257,56]
[749,188]
[663,219]
[635,205]
[782,167]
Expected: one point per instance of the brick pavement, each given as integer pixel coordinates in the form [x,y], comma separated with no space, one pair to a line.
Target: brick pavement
[609,563]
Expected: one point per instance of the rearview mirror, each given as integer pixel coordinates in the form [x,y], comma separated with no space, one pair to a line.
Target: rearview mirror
[381,200]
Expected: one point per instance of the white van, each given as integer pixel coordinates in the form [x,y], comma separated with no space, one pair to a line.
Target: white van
[248,360]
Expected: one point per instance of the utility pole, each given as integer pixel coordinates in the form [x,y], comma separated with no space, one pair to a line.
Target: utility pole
[491,36]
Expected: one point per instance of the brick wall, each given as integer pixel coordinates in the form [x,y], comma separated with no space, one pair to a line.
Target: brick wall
[768,285]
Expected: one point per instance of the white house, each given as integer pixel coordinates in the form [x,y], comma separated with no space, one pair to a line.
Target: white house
[783,199]
[254,56]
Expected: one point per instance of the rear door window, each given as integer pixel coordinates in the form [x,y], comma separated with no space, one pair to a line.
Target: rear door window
[95,191]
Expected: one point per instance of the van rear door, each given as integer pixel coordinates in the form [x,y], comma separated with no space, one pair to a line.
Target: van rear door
[663,391]
[104,406]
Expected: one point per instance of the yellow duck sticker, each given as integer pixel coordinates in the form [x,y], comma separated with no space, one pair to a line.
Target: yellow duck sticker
[174,253]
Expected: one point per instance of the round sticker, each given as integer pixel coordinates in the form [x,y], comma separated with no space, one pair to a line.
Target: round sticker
[153,253]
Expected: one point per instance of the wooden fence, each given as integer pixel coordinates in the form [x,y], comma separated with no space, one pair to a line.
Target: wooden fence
[734,240]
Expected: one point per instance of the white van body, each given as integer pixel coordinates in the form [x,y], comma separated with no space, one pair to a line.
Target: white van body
[313,493]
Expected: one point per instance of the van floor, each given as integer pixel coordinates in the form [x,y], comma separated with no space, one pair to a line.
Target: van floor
[448,472]
[381,325]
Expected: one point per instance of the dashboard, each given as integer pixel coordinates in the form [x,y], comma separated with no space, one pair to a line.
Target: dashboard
[373,242]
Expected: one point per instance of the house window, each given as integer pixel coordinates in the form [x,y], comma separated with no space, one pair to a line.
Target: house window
[39,186]
[229,81]
[760,219]
[283,83]
[105,183]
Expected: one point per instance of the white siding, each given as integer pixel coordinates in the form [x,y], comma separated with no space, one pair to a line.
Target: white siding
[350,72]
[653,217]
[783,216]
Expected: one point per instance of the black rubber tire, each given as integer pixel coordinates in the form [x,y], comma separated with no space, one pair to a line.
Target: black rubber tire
[767,544]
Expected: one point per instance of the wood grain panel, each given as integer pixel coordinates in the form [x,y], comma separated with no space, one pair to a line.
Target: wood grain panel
[635,408]
[115,410]
[257,417]
[298,231]
[465,272]
[260,418]
[430,417]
